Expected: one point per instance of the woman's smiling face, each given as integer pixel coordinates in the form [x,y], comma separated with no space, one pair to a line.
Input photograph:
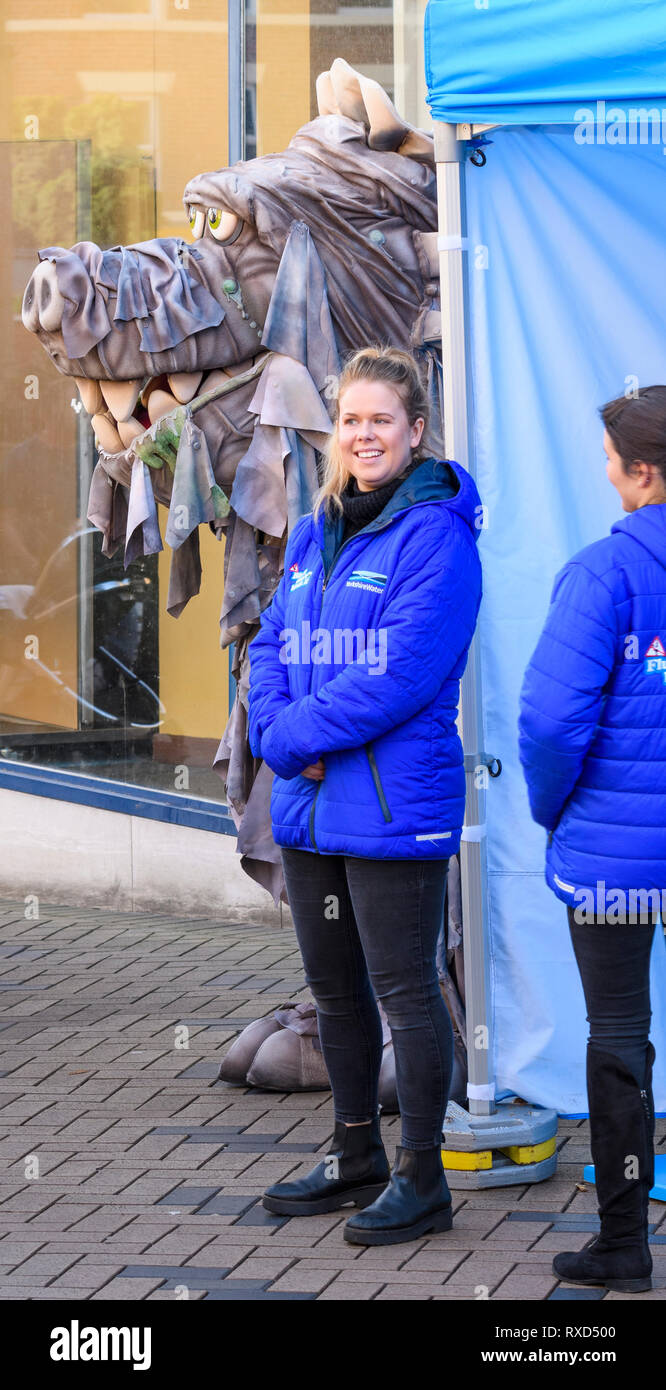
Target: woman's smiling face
[374,433]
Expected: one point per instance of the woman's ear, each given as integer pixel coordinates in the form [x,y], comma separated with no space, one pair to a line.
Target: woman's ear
[643,472]
[416,432]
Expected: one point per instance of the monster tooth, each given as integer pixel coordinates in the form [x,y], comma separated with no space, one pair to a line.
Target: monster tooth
[216,378]
[185,385]
[160,403]
[107,435]
[121,397]
[129,430]
[91,395]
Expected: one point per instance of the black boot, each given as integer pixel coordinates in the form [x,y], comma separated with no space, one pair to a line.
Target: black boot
[417,1200]
[621,1133]
[355,1169]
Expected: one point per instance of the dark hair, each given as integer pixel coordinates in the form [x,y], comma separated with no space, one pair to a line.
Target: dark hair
[637,427]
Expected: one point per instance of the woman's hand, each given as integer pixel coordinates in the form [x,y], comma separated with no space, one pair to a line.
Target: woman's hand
[314,770]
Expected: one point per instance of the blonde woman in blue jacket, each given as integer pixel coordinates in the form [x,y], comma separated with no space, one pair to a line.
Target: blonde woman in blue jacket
[353,696]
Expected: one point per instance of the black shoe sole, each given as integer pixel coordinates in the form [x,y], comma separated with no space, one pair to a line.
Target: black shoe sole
[313,1206]
[439,1221]
[613,1285]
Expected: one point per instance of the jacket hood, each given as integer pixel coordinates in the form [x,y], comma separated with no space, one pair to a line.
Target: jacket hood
[435,480]
[647,527]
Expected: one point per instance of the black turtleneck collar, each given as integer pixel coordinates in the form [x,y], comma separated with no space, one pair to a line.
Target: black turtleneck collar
[361,507]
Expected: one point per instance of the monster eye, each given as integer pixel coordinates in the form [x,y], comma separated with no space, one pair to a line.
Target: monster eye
[225,226]
[197,220]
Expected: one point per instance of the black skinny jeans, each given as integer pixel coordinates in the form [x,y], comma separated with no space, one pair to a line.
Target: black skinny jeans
[614,965]
[372,924]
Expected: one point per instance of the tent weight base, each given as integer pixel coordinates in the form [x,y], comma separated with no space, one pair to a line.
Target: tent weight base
[514,1145]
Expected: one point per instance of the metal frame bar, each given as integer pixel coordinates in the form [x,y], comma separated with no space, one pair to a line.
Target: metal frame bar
[452,242]
[236,88]
[236,121]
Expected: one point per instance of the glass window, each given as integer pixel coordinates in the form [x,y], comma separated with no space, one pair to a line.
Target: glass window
[108,108]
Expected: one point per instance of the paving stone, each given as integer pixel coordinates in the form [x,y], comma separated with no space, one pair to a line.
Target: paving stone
[523,1283]
[258,1216]
[84,1277]
[408,1278]
[561,1240]
[185,1242]
[263,1268]
[226,1294]
[188,1196]
[43,1266]
[436,1259]
[166,1293]
[396,1294]
[571,1294]
[130,1290]
[356,1293]
[226,1204]
[303,1280]
[195,1273]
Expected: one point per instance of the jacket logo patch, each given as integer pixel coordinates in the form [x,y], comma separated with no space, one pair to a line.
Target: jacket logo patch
[299,578]
[366,579]
[655,659]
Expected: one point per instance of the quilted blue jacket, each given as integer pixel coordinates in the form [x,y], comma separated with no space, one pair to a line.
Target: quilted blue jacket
[358,661]
[592,726]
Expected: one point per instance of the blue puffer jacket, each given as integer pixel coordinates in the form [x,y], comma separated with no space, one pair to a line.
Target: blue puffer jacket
[380,710]
[593,715]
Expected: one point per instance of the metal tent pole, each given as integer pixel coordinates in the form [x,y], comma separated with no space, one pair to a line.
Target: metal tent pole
[236,88]
[236,148]
[452,244]
[486,1145]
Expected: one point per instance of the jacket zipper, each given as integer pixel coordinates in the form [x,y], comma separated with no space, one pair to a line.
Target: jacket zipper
[312,813]
[377,781]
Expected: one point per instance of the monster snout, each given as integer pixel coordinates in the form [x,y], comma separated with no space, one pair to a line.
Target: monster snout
[43,303]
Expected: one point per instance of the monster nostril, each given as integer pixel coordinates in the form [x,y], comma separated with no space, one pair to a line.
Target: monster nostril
[51,302]
[29,311]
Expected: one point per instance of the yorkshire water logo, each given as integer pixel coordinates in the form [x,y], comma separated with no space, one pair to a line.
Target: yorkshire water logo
[655,659]
[366,579]
[299,578]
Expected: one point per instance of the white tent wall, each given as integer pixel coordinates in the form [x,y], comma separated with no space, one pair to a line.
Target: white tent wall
[567,309]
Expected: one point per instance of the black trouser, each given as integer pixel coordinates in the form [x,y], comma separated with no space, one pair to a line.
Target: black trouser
[614,964]
[372,924]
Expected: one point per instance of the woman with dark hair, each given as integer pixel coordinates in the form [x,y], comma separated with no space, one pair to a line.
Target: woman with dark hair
[367,804]
[593,749]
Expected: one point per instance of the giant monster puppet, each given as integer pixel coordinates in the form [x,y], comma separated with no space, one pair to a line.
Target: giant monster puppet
[209,367]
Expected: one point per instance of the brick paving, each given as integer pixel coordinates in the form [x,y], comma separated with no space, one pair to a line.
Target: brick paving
[129,1172]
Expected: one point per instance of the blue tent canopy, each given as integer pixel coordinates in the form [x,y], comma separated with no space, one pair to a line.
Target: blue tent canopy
[563,262]
[520,62]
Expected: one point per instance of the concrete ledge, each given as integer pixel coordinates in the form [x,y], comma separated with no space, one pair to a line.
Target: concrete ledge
[75,854]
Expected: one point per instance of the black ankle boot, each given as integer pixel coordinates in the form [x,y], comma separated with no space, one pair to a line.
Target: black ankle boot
[628,1269]
[417,1200]
[621,1135]
[355,1169]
